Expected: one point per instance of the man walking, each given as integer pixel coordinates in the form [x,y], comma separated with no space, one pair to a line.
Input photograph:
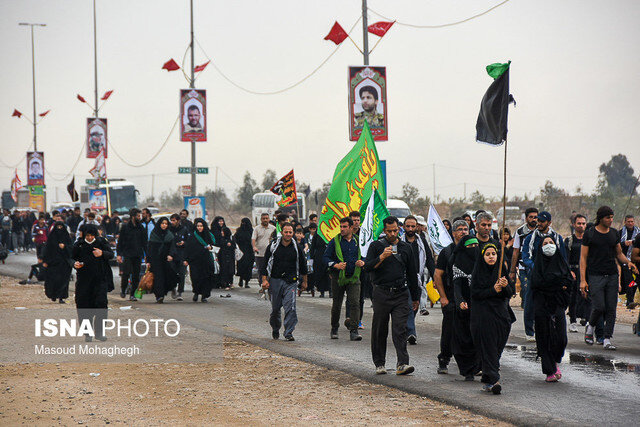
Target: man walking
[147,222]
[260,239]
[627,235]
[130,249]
[285,265]
[394,276]
[342,255]
[531,222]
[600,250]
[443,281]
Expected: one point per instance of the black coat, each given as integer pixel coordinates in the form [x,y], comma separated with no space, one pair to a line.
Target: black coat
[94,277]
[165,276]
[59,263]
[132,241]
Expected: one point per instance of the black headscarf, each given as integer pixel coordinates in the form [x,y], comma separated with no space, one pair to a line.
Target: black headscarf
[216,229]
[245,230]
[485,275]
[549,273]
[465,258]
[160,235]
[206,233]
[59,234]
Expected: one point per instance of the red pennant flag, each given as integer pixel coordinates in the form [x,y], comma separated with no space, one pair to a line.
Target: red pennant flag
[337,34]
[81,99]
[16,113]
[44,114]
[201,67]
[171,65]
[106,95]
[380,28]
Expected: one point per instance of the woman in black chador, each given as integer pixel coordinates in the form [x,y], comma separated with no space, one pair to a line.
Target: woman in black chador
[160,252]
[462,346]
[549,281]
[199,258]
[57,260]
[491,316]
[227,253]
[92,254]
[243,240]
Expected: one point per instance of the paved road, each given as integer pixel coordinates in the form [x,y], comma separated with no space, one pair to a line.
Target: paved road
[598,387]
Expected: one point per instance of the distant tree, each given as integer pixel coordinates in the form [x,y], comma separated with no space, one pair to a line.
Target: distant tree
[245,193]
[410,194]
[616,177]
[172,199]
[268,179]
[478,200]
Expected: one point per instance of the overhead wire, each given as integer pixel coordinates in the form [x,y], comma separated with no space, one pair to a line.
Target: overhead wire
[72,168]
[275,92]
[450,24]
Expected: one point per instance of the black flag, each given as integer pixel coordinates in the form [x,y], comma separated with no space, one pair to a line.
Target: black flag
[71,189]
[491,127]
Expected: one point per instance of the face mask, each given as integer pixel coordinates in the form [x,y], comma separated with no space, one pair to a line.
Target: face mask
[549,249]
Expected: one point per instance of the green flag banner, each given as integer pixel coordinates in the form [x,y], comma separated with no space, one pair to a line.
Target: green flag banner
[354,179]
[373,213]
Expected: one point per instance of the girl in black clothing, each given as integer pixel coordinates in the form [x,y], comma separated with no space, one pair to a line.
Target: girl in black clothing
[462,346]
[198,257]
[549,282]
[243,240]
[160,252]
[447,225]
[57,260]
[227,253]
[491,316]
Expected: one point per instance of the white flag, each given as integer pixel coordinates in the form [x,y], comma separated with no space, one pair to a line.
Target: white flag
[371,226]
[438,235]
[99,170]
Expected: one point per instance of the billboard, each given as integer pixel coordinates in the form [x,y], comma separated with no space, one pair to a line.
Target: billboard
[368,101]
[96,137]
[98,200]
[195,206]
[36,198]
[35,168]
[193,115]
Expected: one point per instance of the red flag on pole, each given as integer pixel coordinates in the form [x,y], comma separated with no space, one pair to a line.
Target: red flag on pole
[199,68]
[16,113]
[171,65]
[106,95]
[44,114]
[81,99]
[337,34]
[16,185]
[286,188]
[380,28]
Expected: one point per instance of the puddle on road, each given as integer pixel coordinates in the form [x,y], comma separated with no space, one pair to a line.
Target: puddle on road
[594,362]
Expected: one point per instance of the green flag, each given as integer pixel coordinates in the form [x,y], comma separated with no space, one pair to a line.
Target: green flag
[371,226]
[354,179]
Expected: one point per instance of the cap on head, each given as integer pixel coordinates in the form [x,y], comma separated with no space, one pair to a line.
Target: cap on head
[544,216]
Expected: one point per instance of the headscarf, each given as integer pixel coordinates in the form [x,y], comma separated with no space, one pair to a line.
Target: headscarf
[465,257]
[245,230]
[216,228]
[160,235]
[485,275]
[59,234]
[90,229]
[205,235]
[550,273]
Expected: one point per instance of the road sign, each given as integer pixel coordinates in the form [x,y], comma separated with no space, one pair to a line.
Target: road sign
[90,181]
[186,190]
[187,169]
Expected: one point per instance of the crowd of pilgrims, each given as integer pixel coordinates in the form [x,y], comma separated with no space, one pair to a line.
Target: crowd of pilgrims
[475,275]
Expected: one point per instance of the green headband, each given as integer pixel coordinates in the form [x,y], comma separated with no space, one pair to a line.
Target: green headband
[471,241]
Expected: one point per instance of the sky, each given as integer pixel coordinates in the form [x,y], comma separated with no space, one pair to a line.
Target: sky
[574,75]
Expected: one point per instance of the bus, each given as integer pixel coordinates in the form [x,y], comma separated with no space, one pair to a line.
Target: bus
[267,202]
[123,195]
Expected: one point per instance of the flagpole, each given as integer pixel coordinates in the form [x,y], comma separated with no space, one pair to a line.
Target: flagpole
[504,210]
[365,33]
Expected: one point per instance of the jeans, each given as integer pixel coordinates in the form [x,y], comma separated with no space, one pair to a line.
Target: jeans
[283,295]
[604,300]
[411,320]
[527,299]
[352,291]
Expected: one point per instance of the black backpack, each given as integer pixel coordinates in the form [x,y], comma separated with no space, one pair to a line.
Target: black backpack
[4,253]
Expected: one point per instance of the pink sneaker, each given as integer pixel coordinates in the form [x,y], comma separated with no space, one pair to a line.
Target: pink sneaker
[552,378]
[558,374]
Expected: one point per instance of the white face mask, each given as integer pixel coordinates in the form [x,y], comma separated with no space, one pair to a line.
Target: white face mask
[549,249]
[91,241]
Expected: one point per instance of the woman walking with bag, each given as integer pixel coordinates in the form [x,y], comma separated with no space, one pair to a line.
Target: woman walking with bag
[243,240]
[200,260]
[56,257]
[160,251]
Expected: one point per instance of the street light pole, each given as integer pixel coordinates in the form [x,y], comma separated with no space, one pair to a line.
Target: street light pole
[365,33]
[192,86]
[33,76]
[95,62]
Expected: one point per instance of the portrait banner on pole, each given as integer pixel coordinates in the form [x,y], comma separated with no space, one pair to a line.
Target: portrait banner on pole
[368,102]
[35,168]
[96,137]
[193,115]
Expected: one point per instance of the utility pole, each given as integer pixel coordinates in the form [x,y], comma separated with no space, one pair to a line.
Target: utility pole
[33,78]
[465,191]
[192,86]
[95,62]
[365,33]
[215,192]
[153,181]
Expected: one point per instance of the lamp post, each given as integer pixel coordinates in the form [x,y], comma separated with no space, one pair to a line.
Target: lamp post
[33,76]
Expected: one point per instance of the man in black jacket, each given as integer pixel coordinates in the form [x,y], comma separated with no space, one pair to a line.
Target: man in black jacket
[130,249]
[394,276]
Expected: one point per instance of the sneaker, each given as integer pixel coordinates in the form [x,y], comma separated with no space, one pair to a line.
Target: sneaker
[530,338]
[179,297]
[588,338]
[275,335]
[573,327]
[558,374]
[443,368]
[412,339]
[360,326]
[404,369]
[609,346]
[551,378]
[123,295]
[102,338]
[469,378]
[204,300]
[289,338]
[132,298]
[381,370]
[495,388]
[23,282]
[424,312]
[599,341]
[61,301]
[160,300]
[355,336]
[246,285]
[334,333]
[583,322]
[195,298]
[174,294]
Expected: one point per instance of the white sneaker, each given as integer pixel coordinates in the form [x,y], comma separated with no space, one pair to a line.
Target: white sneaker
[530,338]
[174,294]
[573,327]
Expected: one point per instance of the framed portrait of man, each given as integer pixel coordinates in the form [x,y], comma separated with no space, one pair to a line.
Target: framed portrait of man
[96,137]
[368,101]
[35,168]
[193,115]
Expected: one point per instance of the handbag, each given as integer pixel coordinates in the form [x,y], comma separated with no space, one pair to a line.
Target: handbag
[146,283]
[239,254]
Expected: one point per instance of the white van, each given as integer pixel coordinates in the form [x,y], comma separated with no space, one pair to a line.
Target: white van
[267,202]
[398,208]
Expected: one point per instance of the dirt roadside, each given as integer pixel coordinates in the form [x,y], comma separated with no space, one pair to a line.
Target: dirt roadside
[252,385]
